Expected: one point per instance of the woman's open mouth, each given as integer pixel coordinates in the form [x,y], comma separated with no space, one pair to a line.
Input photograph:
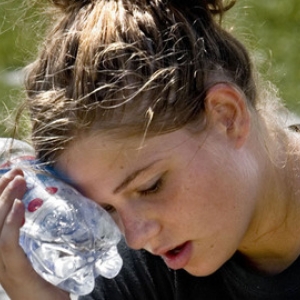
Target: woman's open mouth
[178,257]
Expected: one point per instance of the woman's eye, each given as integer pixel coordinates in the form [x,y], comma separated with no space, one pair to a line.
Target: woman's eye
[109,208]
[152,189]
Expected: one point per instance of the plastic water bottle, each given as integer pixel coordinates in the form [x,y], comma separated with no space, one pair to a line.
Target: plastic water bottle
[69,239]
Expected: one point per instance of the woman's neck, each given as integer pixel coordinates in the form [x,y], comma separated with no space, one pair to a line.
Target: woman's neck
[272,242]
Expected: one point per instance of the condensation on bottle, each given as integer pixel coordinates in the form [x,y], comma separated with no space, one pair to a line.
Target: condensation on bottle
[69,239]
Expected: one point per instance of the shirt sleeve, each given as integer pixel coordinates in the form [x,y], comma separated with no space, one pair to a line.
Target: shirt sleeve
[142,277]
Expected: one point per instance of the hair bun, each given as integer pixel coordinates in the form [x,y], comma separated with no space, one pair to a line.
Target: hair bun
[214,6]
[65,4]
[219,6]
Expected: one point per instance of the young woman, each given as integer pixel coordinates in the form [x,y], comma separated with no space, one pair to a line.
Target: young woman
[153,110]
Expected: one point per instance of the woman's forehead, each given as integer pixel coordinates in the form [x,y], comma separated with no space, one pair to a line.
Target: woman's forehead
[105,148]
[92,162]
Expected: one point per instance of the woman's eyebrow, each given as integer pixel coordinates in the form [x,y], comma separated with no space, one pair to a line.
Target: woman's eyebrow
[132,176]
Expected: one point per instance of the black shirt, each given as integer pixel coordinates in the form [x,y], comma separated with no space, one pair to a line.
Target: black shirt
[146,277]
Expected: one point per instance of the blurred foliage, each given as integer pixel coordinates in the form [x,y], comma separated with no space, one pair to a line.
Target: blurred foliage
[20,31]
[269,28]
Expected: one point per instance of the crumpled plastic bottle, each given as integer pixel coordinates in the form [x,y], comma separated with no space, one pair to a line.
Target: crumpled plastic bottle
[69,239]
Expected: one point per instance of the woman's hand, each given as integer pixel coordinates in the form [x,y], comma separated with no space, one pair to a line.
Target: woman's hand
[17,276]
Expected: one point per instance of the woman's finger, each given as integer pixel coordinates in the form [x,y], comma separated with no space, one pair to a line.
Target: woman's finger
[6,178]
[14,189]
[12,255]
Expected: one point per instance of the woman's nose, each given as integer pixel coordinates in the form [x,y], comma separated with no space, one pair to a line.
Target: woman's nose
[138,230]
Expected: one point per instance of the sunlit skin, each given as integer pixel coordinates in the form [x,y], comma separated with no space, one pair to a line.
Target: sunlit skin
[210,192]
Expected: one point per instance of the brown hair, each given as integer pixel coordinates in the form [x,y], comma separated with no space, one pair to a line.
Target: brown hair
[119,64]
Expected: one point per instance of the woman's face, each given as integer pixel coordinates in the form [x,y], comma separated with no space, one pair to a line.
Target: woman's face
[188,198]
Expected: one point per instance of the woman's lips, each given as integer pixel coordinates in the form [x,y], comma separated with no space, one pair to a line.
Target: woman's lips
[178,257]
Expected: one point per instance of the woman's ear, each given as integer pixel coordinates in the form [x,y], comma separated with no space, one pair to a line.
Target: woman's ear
[227,109]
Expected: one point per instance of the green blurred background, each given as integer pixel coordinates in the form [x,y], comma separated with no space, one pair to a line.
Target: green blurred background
[270,28]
